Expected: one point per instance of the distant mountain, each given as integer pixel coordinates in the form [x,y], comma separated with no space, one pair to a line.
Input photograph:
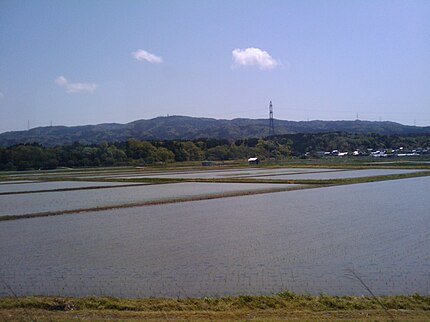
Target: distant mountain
[188,128]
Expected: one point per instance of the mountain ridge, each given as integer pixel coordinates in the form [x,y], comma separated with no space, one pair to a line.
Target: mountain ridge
[179,127]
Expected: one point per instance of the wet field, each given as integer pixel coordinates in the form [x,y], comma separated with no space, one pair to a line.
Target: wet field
[15,182]
[262,173]
[304,241]
[344,174]
[209,174]
[55,185]
[278,174]
[35,202]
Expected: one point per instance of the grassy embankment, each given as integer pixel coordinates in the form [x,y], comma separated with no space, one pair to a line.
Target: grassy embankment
[285,305]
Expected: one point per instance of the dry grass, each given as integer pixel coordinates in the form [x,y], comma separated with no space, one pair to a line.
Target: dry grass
[285,305]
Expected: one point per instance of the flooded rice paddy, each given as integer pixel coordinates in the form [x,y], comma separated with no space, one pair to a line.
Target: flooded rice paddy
[344,174]
[304,241]
[54,185]
[211,174]
[279,174]
[36,202]
[15,182]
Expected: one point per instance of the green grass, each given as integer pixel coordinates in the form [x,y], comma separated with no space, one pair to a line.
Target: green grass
[283,300]
[244,307]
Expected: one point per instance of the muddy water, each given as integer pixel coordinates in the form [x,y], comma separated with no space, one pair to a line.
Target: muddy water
[304,241]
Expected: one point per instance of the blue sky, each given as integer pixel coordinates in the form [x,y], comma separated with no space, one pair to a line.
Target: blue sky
[89,62]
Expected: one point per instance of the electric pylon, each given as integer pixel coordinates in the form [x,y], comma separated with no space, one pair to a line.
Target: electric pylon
[271,124]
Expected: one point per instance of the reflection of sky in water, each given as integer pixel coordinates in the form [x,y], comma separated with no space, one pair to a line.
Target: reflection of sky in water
[340,174]
[304,241]
[76,199]
[215,173]
[56,185]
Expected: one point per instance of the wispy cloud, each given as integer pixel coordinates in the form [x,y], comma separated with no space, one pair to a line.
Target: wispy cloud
[141,54]
[75,87]
[254,57]
[1,95]
[61,81]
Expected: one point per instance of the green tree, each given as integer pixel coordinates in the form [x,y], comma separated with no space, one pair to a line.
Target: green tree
[164,155]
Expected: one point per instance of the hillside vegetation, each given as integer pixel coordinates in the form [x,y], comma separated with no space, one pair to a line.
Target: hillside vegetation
[192,128]
[136,152]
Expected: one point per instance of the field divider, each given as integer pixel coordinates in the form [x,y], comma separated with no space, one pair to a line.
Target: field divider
[299,185]
[319,182]
[288,174]
[157,202]
[68,174]
[73,189]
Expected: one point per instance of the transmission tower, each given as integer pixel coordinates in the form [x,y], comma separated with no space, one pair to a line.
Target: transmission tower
[271,125]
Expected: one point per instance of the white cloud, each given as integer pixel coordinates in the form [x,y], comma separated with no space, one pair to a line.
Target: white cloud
[81,87]
[253,57]
[141,54]
[61,81]
[75,87]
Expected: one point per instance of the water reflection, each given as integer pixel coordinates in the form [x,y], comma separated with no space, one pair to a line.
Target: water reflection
[304,241]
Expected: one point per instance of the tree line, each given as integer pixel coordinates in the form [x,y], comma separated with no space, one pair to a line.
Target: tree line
[136,152]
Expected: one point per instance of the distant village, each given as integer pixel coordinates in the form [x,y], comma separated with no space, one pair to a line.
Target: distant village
[377,153]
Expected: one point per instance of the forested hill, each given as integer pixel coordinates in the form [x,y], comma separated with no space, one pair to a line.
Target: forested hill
[189,128]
